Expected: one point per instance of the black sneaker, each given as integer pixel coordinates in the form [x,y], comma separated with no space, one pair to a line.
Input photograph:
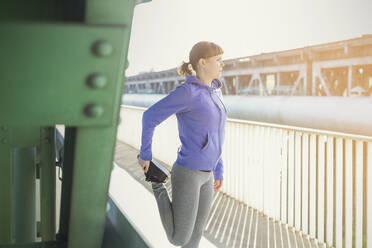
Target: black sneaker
[157,172]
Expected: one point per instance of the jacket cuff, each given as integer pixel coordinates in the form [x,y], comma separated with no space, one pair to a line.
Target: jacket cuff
[218,170]
[218,175]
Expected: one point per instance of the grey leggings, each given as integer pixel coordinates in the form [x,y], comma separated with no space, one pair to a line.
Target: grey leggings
[185,217]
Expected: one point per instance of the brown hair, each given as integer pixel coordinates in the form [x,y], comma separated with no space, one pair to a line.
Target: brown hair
[201,50]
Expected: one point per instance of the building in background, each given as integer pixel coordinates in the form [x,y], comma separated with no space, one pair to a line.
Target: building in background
[342,68]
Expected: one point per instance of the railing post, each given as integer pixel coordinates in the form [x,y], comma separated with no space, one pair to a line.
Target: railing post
[369,194]
[348,211]
[340,170]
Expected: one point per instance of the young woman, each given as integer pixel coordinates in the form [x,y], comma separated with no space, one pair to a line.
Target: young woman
[198,169]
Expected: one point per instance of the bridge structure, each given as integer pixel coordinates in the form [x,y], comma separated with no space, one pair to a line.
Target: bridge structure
[305,170]
[342,68]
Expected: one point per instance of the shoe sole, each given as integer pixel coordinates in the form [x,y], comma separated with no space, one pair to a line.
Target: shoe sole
[161,167]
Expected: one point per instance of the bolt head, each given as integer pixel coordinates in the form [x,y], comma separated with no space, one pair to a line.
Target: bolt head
[97,81]
[94,110]
[102,48]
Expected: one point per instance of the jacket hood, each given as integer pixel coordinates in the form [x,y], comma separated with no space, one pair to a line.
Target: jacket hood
[216,83]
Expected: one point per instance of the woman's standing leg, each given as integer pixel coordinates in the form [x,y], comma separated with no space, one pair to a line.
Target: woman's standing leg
[205,204]
[179,216]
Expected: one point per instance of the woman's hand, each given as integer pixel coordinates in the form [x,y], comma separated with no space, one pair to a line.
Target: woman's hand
[217,184]
[144,164]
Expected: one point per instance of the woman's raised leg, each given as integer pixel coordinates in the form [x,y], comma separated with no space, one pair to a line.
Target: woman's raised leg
[178,217]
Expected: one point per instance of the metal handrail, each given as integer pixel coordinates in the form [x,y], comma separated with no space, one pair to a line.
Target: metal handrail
[286,127]
[351,115]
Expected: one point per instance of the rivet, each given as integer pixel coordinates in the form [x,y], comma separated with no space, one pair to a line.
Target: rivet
[97,81]
[102,48]
[94,110]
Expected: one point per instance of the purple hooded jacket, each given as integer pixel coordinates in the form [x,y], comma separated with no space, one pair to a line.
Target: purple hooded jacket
[201,117]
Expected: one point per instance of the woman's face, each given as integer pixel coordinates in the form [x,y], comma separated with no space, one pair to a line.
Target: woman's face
[213,66]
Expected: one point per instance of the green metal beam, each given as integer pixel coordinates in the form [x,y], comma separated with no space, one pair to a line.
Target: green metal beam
[68,165]
[24,136]
[61,73]
[17,183]
[48,183]
[81,65]
[91,176]
[111,12]
[42,10]
[6,191]
[47,244]
[95,145]
[99,12]
[24,225]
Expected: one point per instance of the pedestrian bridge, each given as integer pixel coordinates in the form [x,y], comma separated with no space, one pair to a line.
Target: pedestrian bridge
[284,185]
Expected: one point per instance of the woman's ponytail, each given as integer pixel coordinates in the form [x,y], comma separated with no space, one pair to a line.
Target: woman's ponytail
[185,69]
[202,49]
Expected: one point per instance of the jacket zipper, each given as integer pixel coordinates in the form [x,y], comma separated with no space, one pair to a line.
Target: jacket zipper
[219,126]
[222,103]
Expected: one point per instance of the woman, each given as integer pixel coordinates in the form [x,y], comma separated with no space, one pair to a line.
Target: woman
[201,118]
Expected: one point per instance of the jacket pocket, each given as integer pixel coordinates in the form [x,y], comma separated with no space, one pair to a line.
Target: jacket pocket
[206,143]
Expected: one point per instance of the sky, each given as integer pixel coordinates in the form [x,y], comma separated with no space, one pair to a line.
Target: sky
[164,31]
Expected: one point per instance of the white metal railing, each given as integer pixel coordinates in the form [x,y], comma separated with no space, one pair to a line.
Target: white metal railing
[318,182]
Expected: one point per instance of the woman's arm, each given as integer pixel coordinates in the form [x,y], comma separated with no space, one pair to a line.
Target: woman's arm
[177,101]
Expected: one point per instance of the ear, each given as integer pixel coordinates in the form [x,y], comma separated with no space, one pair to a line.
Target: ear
[202,62]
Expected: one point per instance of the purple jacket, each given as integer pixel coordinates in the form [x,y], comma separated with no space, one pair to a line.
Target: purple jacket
[201,117]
